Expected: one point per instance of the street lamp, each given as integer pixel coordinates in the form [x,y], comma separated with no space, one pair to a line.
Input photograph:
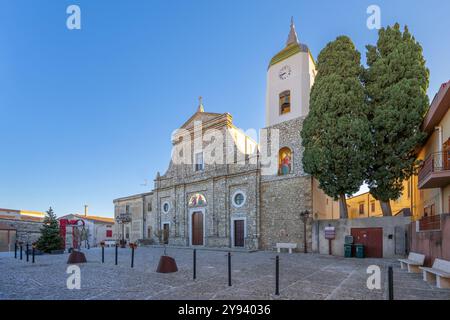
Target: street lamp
[123,218]
[304,215]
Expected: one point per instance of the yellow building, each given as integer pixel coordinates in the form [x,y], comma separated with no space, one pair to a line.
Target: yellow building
[365,206]
[432,191]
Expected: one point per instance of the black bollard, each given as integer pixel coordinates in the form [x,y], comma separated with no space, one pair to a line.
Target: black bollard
[195,264]
[117,246]
[132,256]
[103,254]
[229,269]
[28,252]
[15,250]
[21,249]
[391,283]
[277,276]
[32,255]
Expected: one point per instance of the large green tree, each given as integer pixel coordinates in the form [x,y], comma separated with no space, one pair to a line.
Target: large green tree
[336,133]
[396,82]
[50,237]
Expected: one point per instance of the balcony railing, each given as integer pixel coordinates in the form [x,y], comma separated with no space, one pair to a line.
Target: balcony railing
[431,223]
[438,163]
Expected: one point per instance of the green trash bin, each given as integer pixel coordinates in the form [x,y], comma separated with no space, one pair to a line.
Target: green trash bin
[359,250]
[348,250]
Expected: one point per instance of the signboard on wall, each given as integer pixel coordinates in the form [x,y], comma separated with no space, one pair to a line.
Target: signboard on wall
[330,233]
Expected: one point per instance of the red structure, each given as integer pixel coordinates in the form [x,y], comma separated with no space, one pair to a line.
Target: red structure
[63,225]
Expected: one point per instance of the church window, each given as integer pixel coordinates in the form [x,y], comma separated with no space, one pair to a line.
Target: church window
[238,199]
[166,207]
[285,102]
[199,161]
[284,161]
[149,206]
[197,200]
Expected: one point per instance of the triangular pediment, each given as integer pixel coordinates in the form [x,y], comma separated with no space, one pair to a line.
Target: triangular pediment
[204,117]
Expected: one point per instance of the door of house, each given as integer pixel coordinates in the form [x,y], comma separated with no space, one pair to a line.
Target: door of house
[371,238]
[197,229]
[239,233]
[7,239]
[166,233]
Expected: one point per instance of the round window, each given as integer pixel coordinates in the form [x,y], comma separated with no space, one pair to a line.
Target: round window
[166,207]
[238,199]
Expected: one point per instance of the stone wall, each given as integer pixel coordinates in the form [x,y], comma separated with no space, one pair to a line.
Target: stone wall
[281,204]
[26,231]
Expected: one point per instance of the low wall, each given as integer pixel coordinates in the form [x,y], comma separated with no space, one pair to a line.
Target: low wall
[433,244]
[394,234]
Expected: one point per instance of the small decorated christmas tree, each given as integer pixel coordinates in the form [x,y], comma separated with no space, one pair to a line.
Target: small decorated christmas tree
[50,237]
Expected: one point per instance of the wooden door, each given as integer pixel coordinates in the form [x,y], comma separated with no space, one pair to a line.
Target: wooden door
[239,233]
[371,238]
[197,229]
[166,233]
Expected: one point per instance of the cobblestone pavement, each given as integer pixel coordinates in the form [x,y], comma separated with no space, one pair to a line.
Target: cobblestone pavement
[302,276]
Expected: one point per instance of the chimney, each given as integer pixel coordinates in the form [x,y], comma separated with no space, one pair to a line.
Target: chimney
[85,210]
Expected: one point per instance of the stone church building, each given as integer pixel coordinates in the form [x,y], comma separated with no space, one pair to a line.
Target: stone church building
[234,203]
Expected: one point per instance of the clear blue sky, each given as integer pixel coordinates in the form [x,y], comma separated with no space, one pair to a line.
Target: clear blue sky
[86,115]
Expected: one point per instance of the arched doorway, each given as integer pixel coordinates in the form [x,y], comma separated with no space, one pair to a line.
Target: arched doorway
[197,204]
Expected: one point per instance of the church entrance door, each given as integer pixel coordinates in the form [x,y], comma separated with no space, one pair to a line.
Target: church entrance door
[239,233]
[197,228]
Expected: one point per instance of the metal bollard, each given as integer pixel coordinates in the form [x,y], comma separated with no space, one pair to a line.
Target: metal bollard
[117,246]
[15,250]
[132,256]
[277,276]
[229,269]
[28,252]
[21,249]
[32,254]
[103,254]
[391,283]
[195,264]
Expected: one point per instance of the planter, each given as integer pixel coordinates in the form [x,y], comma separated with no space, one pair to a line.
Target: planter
[60,251]
[76,257]
[167,265]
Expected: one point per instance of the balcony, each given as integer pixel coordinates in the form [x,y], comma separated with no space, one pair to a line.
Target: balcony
[435,171]
[430,223]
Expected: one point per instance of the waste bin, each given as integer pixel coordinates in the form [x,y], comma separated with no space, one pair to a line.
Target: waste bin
[348,250]
[359,250]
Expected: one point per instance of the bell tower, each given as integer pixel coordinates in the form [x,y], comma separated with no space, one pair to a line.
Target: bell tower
[290,77]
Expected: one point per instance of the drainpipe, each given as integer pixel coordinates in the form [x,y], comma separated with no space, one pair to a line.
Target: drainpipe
[441,142]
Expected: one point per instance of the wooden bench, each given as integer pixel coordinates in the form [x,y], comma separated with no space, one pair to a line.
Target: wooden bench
[439,273]
[288,246]
[414,261]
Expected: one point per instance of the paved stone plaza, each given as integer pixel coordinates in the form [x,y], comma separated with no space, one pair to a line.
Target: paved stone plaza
[302,276]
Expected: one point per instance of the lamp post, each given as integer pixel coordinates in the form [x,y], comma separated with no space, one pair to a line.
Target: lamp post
[304,215]
[123,218]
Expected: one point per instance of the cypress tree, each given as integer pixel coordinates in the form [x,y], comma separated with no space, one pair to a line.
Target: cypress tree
[396,83]
[336,133]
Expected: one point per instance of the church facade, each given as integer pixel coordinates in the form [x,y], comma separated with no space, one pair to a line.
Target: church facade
[254,198]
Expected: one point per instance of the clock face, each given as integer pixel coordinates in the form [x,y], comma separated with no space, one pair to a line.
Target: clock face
[285,72]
